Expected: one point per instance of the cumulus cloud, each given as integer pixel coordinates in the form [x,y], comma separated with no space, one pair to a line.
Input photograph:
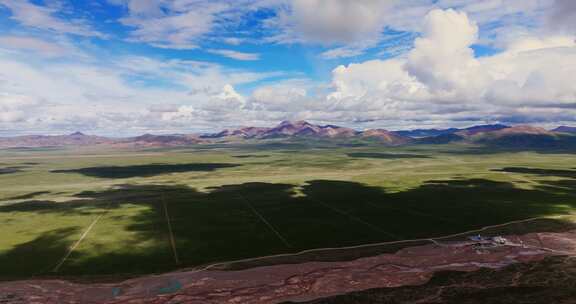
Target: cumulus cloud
[123,91]
[500,21]
[375,77]
[14,108]
[441,70]
[440,80]
[227,99]
[538,77]
[348,25]
[282,98]
[442,57]
[333,21]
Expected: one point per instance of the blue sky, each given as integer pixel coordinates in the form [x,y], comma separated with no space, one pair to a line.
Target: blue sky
[195,65]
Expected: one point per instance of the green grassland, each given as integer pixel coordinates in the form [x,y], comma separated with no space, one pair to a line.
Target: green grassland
[231,201]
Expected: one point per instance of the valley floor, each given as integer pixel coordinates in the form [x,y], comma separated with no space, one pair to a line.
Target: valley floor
[70,213]
[413,273]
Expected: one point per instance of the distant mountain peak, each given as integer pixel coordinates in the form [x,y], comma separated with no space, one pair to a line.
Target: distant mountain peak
[523,129]
[565,129]
[294,123]
[482,129]
[424,133]
[77,134]
[287,128]
[385,136]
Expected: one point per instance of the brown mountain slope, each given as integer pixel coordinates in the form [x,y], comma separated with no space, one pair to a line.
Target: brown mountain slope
[385,136]
[74,139]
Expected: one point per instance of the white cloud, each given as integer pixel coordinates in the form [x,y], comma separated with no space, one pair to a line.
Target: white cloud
[408,14]
[227,100]
[350,50]
[333,21]
[441,81]
[145,7]
[116,94]
[540,77]
[500,20]
[177,31]
[437,82]
[282,98]
[341,52]
[344,24]
[538,43]
[180,24]
[38,46]
[43,17]
[442,68]
[442,58]
[235,55]
[382,77]
[233,40]
[14,108]
[564,16]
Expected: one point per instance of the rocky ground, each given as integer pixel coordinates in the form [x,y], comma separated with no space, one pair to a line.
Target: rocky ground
[552,280]
[537,264]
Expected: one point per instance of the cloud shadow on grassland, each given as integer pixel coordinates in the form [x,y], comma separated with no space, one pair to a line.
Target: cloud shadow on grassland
[27,195]
[385,155]
[146,170]
[10,170]
[487,149]
[251,156]
[226,223]
[541,172]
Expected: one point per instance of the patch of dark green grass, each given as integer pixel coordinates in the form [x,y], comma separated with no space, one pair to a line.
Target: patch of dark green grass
[35,206]
[10,170]
[478,149]
[37,256]
[541,172]
[353,145]
[385,155]
[251,156]
[146,170]
[28,195]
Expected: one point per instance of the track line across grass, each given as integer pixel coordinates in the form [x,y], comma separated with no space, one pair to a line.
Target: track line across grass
[82,237]
[265,221]
[410,211]
[355,218]
[170,232]
[432,240]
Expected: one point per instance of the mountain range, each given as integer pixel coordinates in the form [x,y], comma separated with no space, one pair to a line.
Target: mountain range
[422,133]
[565,129]
[493,135]
[287,129]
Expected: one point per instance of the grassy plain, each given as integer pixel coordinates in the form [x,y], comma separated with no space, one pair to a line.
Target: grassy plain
[232,201]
